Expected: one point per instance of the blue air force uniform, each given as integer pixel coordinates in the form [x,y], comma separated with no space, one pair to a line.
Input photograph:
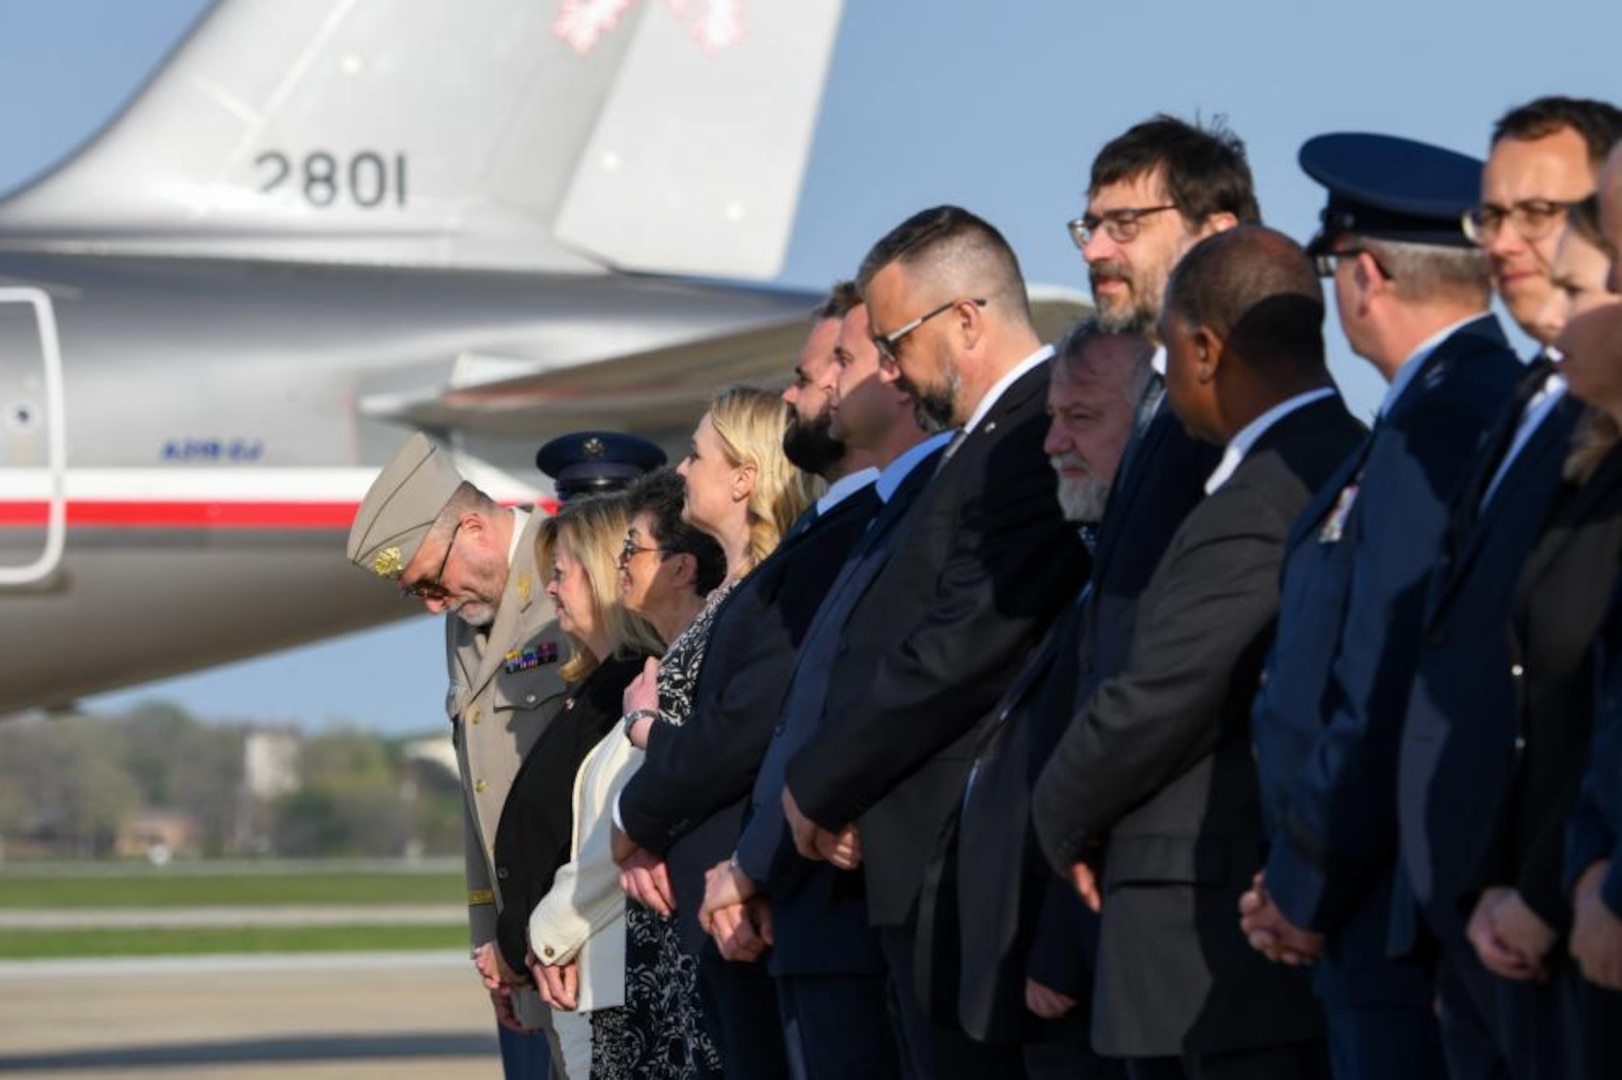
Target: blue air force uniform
[1328,719]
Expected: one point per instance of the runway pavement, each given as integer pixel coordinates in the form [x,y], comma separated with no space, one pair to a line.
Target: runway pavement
[409,1016]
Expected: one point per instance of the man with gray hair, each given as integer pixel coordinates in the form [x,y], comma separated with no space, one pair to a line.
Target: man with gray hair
[1412,295]
[1095,372]
[1022,935]
[449,546]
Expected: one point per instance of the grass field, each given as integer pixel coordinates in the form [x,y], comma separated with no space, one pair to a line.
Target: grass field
[146,889]
[57,944]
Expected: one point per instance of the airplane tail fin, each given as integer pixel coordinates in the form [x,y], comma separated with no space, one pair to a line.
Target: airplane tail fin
[666,136]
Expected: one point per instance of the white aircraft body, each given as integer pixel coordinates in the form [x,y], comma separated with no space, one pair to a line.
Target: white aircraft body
[325,223]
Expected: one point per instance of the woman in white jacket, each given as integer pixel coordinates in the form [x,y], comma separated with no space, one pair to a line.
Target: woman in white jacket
[577,931]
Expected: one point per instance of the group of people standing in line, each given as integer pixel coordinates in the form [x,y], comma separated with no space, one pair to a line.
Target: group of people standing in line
[1126,707]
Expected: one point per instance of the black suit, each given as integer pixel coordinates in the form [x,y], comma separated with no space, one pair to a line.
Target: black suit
[1159,764]
[686,802]
[1502,713]
[981,565]
[1595,835]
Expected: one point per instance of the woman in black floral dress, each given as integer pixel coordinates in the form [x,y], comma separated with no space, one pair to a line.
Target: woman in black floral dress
[742,491]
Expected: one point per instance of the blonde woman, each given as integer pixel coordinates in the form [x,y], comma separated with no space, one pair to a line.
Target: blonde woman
[577,550]
[741,490]
[577,932]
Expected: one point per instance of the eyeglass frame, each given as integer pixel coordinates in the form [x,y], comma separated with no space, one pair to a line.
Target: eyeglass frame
[1113,222]
[629,551]
[1325,267]
[1475,228]
[433,590]
[886,343]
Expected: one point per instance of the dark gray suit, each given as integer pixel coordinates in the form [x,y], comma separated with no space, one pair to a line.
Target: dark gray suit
[1159,765]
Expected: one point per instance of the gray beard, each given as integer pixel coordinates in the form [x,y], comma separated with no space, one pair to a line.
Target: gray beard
[1082,501]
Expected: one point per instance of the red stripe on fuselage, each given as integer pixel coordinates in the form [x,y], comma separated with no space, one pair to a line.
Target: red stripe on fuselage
[100,514]
[108,514]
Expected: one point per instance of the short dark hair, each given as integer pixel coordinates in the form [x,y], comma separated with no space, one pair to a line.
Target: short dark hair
[1204,167]
[841,298]
[661,494]
[1256,288]
[947,239]
[1599,123]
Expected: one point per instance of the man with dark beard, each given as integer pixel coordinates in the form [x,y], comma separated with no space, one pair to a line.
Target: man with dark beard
[978,566]
[685,805]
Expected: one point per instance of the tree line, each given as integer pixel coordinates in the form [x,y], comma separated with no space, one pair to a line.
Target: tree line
[77,785]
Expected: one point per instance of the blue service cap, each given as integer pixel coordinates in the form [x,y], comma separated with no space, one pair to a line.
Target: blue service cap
[595,461]
[1389,188]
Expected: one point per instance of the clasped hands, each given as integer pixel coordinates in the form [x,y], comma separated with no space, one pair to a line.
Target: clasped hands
[1596,932]
[842,849]
[1273,935]
[1508,936]
[734,915]
[643,875]
[500,980]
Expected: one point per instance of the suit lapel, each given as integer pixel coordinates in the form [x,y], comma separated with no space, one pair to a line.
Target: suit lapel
[1551,440]
[1125,491]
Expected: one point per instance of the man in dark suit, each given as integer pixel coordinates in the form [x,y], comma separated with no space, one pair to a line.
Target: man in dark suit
[1593,872]
[1412,297]
[1022,934]
[1130,248]
[685,804]
[825,957]
[1156,772]
[978,568]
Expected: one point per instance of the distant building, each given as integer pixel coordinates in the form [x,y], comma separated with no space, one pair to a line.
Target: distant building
[270,764]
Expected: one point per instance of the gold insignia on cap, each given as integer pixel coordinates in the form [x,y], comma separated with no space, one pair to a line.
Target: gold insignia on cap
[593,447]
[388,563]
[524,587]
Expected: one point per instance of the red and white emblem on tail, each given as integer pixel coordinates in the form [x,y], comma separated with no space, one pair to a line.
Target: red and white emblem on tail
[582,24]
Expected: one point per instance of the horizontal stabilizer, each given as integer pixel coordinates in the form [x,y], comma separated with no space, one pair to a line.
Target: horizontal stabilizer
[659,393]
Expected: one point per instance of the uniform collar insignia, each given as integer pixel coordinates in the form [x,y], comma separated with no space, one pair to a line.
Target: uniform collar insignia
[387,563]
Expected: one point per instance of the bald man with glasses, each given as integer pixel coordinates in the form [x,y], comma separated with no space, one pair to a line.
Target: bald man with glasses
[449,546]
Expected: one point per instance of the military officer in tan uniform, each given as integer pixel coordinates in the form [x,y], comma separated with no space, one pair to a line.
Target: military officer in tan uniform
[448,544]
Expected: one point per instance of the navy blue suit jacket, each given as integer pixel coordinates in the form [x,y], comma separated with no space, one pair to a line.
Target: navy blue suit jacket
[819,913]
[1459,743]
[1328,718]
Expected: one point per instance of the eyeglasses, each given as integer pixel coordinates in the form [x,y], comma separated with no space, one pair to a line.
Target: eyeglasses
[1326,261]
[886,343]
[1120,225]
[1534,219]
[631,549]
[432,590]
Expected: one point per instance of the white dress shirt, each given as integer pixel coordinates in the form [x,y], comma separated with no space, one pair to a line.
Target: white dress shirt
[1240,444]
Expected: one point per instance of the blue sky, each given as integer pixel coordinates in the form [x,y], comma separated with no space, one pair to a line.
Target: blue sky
[993,104]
